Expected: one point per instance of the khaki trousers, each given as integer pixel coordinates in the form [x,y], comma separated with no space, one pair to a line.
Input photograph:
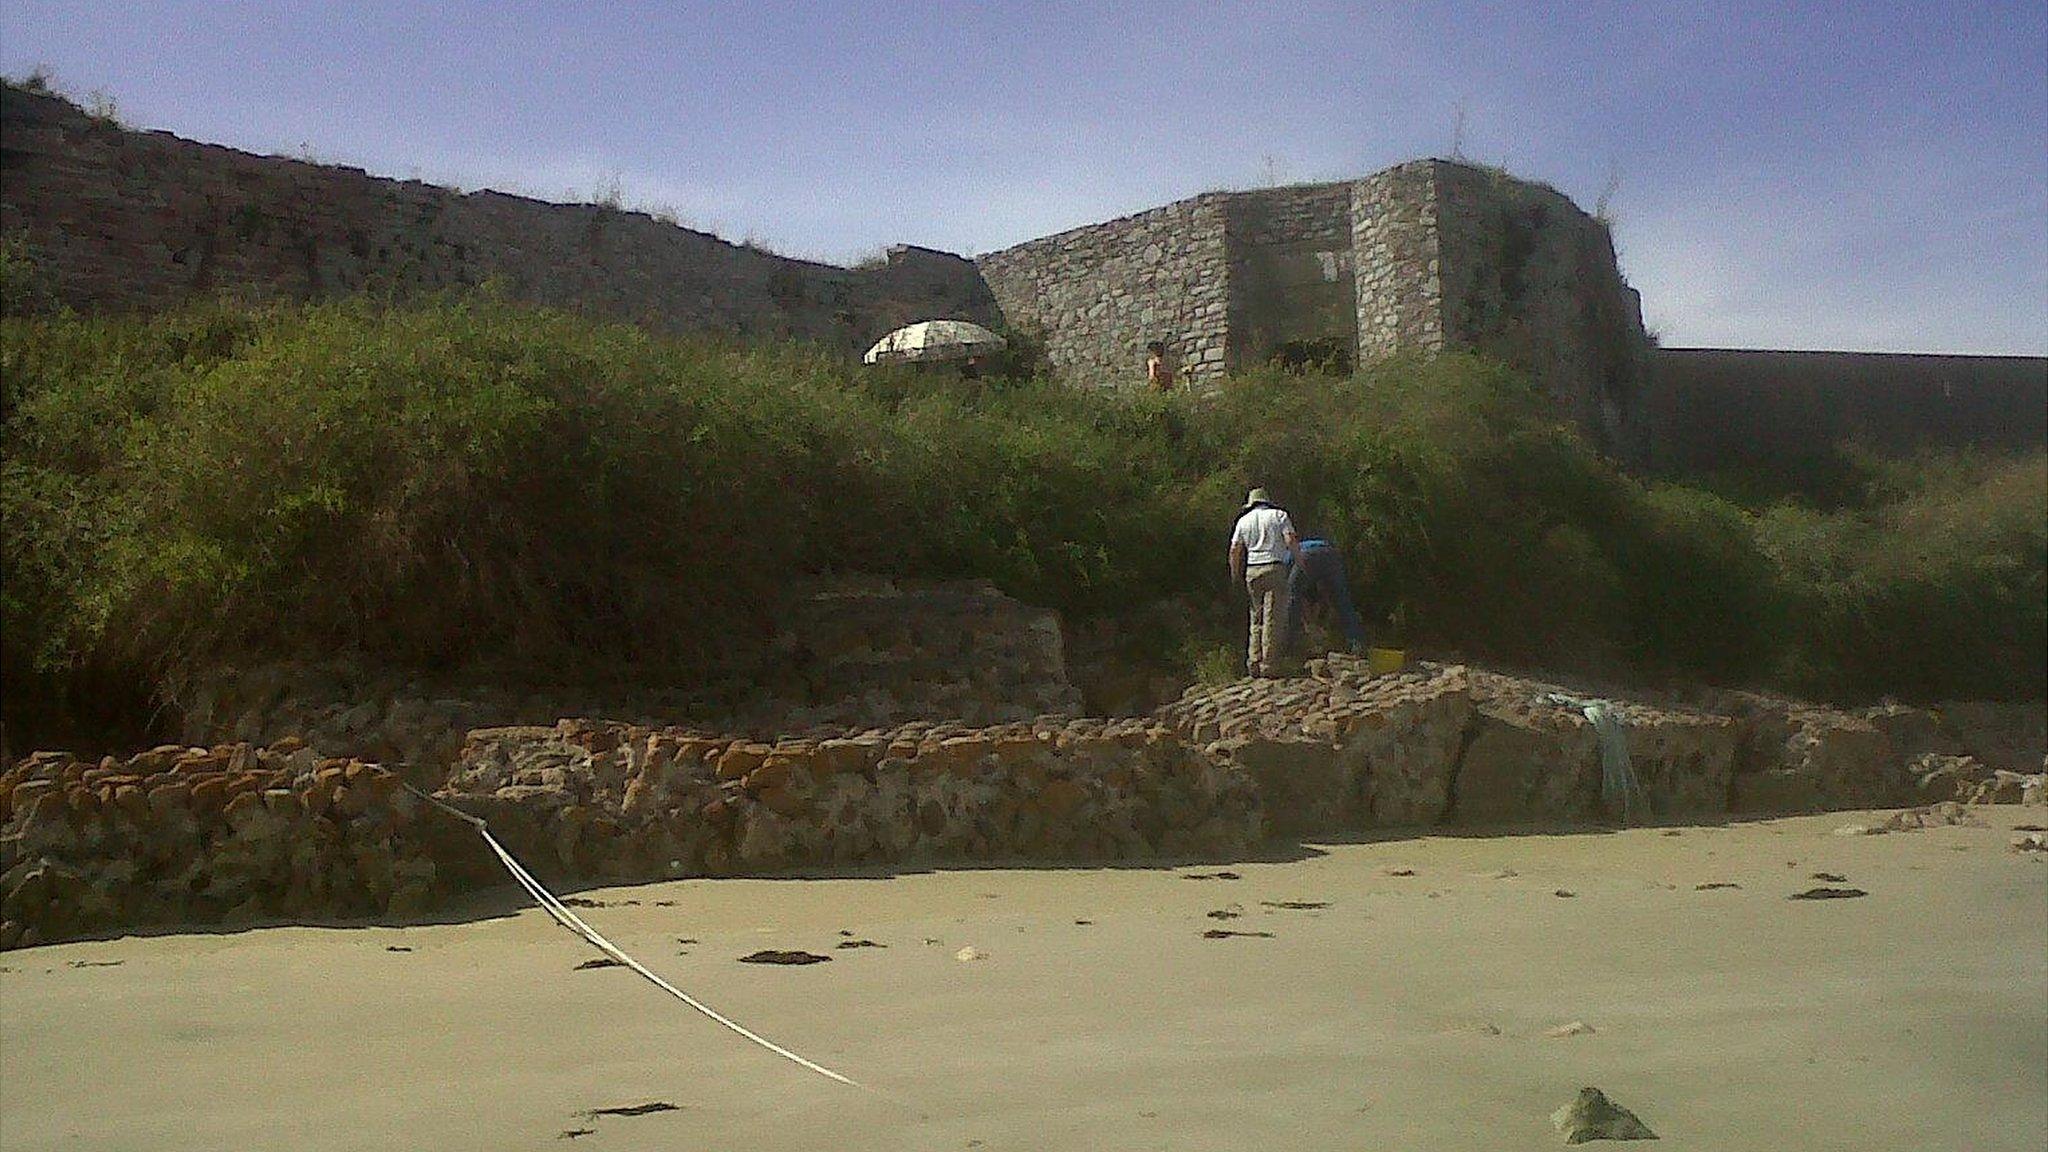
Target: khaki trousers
[1267,586]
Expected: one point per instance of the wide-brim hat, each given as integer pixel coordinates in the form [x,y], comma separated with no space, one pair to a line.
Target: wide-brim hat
[1256,497]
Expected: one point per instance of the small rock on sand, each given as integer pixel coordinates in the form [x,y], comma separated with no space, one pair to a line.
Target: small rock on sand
[1594,1117]
[1575,1028]
[1828,894]
[2031,842]
[1397,870]
[970,953]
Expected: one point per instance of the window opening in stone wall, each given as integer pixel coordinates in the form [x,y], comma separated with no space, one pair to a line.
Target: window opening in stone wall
[1327,356]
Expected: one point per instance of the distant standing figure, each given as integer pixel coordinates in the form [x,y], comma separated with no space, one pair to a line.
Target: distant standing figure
[1262,545]
[1318,576]
[1157,374]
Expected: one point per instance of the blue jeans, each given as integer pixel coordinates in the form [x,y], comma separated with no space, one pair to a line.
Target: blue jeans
[1319,576]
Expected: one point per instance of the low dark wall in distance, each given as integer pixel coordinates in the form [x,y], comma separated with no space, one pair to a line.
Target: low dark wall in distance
[1715,407]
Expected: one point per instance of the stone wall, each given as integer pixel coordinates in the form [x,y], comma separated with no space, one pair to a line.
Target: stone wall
[240,833]
[1290,267]
[1530,279]
[617,802]
[1399,270]
[1343,750]
[1340,749]
[851,652]
[1424,257]
[1101,293]
[122,220]
[1714,408]
[180,835]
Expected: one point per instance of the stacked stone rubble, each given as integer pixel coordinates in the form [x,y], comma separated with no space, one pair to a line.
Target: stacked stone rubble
[199,835]
[852,653]
[1342,748]
[239,832]
[627,802]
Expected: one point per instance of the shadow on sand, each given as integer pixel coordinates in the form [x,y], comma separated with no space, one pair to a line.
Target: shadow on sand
[504,899]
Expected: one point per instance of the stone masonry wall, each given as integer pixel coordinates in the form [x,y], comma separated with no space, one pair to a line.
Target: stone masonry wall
[849,652]
[1103,292]
[123,220]
[178,835]
[1291,280]
[243,833]
[1439,255]
[1528,277]
[1396,261]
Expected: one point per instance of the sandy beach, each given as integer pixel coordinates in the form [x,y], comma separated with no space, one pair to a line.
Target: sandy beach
[1406,1011]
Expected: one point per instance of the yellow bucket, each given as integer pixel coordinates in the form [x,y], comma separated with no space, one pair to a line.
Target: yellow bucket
[1385,660]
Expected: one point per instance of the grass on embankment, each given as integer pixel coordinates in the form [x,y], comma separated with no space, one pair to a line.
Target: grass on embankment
[467,481]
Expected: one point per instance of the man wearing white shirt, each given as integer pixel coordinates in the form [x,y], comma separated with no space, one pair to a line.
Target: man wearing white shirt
[1262,545]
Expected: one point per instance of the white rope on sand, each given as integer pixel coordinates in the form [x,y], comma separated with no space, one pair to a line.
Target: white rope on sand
[568,919]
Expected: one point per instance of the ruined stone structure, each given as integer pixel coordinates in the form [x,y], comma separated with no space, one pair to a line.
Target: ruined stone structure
[241,832]
[1423,257]
[848,653]
[114,219]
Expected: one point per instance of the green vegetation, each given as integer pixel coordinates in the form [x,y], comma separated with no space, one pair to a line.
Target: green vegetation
[467,482]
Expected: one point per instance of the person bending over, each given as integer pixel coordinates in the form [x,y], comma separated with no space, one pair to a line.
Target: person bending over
[1317,577]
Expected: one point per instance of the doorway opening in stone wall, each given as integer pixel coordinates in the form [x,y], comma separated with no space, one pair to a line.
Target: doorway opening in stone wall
[1324,355]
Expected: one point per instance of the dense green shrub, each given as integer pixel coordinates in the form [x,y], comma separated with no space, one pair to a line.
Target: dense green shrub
[1933,587]
[465,481]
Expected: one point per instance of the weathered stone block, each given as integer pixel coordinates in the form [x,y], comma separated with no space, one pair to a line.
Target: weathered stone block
[1525,765]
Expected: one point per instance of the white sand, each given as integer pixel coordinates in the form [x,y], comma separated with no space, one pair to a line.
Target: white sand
[1411,1013]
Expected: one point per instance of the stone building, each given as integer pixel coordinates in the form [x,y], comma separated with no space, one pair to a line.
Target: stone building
[120,220]
[1422,257]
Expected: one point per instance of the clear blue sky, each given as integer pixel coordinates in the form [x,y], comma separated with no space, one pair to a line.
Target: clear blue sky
[1845,175]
